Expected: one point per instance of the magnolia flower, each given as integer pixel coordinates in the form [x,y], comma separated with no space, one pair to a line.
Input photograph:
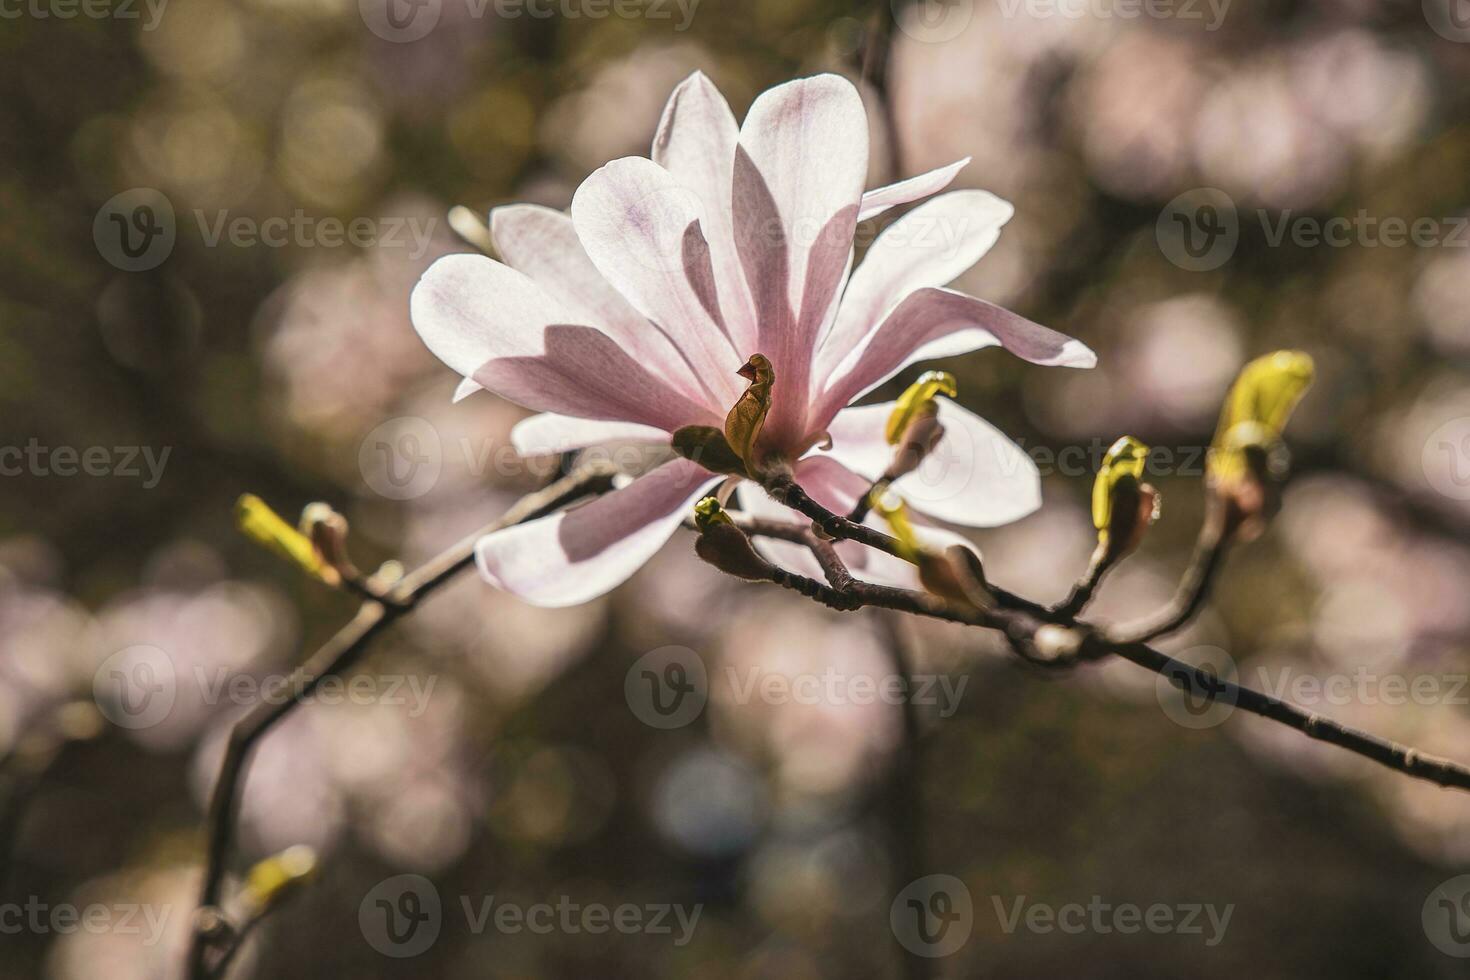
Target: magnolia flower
[632,318]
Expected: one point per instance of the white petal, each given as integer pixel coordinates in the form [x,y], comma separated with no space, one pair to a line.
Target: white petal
[467,387]
[551,433]
[876,201]
[799,175]
[935,323]
[577,555]
[583,372]
[641,229]
[496,327]
[470,308]
[930,246]
[543,244]
[696,144]
[975,477]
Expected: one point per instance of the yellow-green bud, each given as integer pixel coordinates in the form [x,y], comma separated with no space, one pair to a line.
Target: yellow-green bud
[273,880]
[708,512]
[265,527]
[1118,492]
[918,400]
[891,508]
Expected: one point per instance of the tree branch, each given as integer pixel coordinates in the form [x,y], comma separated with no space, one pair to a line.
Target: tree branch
[339,654]
[1047,641]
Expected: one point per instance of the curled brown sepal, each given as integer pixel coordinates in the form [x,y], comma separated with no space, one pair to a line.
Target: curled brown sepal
[747,418]
[727,548]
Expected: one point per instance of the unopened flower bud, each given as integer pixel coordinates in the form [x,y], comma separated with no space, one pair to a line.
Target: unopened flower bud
[259,523]
[327,531]
[919,439]
[891,508]
[918,400]
[708,512]
[278,877]
[1123,506]
[726,547]
[472,228]
[1248,460]
[956,574]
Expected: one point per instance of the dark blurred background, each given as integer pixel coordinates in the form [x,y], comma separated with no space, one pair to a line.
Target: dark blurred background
[298,159]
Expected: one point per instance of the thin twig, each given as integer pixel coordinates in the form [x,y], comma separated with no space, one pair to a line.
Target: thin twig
[1194,589]
[1088,643]
[339,654]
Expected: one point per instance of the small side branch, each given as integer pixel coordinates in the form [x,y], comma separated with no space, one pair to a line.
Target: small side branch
[1050,643]
[1194,589]
[337,655]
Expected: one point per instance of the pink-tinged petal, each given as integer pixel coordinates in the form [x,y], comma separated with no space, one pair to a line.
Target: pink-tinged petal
[469,308]
[502,331]
[696,144]
[552,433]
[976,476]
[583,372]
[579,554]
[543,244]
[880,199]
[798,183]
[934,323]
[641,228]
[930,246]
[467,387]
[837,488]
